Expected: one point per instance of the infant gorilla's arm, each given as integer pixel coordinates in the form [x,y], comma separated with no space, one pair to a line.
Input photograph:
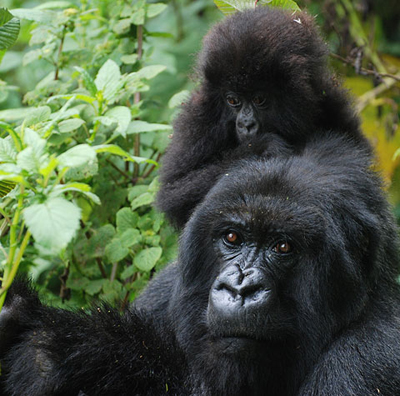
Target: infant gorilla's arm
[179,197]
[48,351]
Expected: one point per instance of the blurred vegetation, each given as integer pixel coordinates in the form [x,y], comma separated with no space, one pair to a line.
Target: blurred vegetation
[87,95]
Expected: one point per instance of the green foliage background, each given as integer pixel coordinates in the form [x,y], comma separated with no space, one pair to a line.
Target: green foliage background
[87,95]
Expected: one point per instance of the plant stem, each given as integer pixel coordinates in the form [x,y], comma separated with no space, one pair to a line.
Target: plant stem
[136,100]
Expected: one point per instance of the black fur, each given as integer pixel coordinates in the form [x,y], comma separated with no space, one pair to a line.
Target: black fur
[331,325]
[269,51]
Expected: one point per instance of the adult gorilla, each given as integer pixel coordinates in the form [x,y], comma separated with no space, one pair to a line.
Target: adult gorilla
[285,285]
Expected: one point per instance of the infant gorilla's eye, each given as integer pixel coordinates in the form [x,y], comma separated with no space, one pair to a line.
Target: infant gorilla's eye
[232,238]
[282,247]
[233,100]
[259,100]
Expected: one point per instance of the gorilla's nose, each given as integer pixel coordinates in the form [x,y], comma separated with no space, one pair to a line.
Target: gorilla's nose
[236,289]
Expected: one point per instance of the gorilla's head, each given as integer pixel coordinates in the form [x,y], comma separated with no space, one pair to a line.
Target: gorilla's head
[280,257]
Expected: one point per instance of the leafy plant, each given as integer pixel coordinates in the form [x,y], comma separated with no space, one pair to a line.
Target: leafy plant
[82,157]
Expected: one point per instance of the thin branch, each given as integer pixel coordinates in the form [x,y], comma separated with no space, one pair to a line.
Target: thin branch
[363,70]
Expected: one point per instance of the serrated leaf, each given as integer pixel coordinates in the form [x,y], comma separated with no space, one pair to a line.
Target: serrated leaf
[9,29]
[146,259]
[7,151]
[141,200]
[126,219]
[178,99]
[77,156]
[33,157]
[70,125]
[6,187]
[87,81]
[115,251]
[53,223]
[142,126]
[155,9]
[108,79]
[122,116]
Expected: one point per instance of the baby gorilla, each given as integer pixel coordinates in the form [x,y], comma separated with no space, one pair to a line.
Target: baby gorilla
[265,90]
[285,285]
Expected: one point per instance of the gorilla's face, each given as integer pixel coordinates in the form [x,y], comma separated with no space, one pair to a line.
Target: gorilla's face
[272,257]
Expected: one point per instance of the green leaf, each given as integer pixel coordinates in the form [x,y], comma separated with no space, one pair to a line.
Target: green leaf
[283,4]
[70,125]
[9,29]
[146,259]
[42,17]
[115,251]
[87,81]
[155,9]
[94,286]
[7,151]
[149,72]
[122,116]
[141,200]
[128,271]
[55,5]
[100,239]
[130,237]
[138,17]
[33,157]
[5,187]
[129,59]
[116,150]
[142,126]
[230,7]
[37,115]
[178,99]
[53,223]
[16,114]
[108,79]
[77,156]
[126,219]
[78,187]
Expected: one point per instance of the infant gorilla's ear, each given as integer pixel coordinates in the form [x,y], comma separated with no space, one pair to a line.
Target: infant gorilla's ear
[262,72]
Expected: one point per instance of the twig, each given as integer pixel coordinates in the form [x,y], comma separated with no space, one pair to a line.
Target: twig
[369,96]
[364,70]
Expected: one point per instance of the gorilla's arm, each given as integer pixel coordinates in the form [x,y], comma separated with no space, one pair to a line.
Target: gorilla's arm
[51,351]
[179,195]
[364,360]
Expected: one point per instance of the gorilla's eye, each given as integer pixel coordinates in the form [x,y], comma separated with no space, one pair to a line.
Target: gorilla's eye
[259,100]
[283,247]
[233,100]
[232,238]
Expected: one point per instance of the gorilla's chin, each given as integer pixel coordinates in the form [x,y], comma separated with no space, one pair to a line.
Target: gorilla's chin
[239,347]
